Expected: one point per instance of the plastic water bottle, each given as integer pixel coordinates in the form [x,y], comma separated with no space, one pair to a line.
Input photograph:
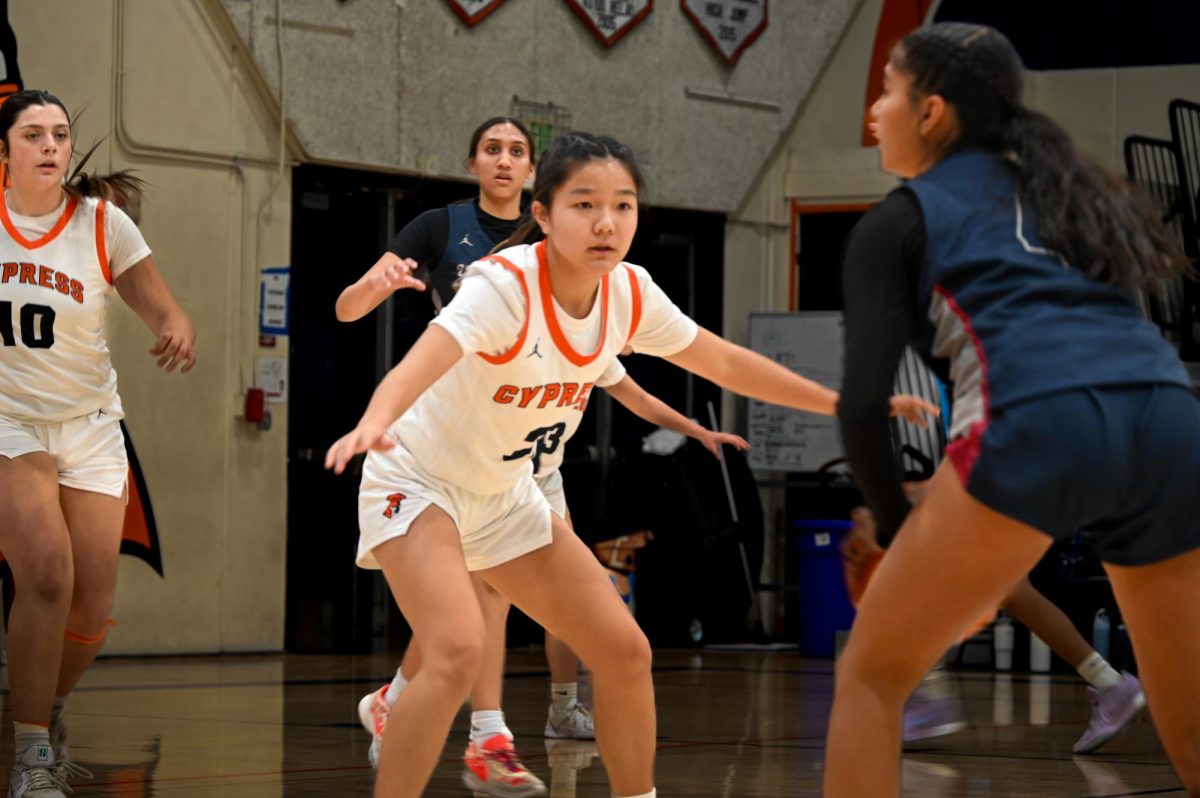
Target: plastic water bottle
[1039,655]
[1100,634]
[1002,639]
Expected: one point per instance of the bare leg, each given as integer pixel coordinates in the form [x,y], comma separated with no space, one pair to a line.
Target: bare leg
[564,665]
[94,521]
[428,577]
[952,560]
[1048,622]
[1161,606]
[564,588]
[487,692]
[34,539]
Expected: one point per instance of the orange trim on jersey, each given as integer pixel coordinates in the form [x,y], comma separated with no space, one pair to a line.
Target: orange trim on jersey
[72,203]
[101,246]
[504,357]
[635,291]
[556,332]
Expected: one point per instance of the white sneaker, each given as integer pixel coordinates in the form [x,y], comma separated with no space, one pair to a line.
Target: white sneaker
[33,775]
[572,723]
[373,711]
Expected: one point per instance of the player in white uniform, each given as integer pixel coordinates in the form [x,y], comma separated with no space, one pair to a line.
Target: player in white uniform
[501,156]
[63,467]
[458,429]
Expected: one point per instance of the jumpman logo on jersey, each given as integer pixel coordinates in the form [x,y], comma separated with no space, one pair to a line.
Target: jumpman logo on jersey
[535,349]
[466,239]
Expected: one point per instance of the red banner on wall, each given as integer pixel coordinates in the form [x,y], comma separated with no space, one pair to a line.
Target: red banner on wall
[611,19]
[473,11]
[729,25]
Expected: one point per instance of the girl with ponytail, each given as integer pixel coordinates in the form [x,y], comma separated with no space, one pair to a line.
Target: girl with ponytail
[1009,259]
[481,406]
[64,252]
[502,157]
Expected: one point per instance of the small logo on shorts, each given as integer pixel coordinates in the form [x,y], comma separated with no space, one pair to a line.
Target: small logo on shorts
[393,504]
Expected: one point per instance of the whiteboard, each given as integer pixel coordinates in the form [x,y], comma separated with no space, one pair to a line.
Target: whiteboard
[810,344]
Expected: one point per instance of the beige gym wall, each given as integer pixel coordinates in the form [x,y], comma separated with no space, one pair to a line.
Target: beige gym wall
[168,88]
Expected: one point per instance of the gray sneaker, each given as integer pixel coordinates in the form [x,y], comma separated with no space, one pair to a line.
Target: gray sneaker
[933,710]
[572,723]
[33,775]
[1111,710]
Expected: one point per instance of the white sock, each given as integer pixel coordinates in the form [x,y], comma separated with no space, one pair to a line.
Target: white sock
[396,688]
[27,735]
[651,794]
[488,723]
[1098,673]
[564,694]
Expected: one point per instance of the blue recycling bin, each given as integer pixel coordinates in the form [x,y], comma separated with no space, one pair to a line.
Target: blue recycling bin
[824,604]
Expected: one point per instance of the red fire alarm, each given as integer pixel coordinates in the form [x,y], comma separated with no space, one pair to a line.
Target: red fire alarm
[255,405]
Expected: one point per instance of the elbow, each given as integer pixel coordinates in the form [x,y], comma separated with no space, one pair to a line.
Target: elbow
[342,311]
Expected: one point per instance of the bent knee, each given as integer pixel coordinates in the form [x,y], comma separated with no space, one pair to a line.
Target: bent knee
[889,678]
[454,661]
[629,654]
[49,581]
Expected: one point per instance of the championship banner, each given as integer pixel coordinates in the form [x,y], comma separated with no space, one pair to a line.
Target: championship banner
[473,11]
[611,19]
[729,25]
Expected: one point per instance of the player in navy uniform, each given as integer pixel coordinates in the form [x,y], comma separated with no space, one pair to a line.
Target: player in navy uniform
[1010,261]
[63,253]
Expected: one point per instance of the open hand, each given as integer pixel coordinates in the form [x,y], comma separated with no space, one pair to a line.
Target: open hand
[914,409]
[861,542]
[394,273]
[713,440]
[175,347]
[357,441]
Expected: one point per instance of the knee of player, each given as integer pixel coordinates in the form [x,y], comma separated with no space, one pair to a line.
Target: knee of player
[455,660]
[860,670]
[628,653]
[49,579]
[90,611]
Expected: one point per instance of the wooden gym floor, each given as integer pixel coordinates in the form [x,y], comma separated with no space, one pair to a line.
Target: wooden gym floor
[730,724]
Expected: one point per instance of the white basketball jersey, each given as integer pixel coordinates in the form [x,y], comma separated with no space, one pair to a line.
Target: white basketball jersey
[488,419]
[54,296]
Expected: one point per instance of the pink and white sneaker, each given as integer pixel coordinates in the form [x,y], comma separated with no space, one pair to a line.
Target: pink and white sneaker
[373,711]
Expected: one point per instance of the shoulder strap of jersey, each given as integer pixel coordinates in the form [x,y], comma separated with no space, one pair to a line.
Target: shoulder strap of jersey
[101,244]
[635,296]
[505,357]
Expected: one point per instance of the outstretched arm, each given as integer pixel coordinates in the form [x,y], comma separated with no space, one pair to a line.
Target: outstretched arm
[750,374]
[390,273]
[430,357]
[657,412]
[143,289]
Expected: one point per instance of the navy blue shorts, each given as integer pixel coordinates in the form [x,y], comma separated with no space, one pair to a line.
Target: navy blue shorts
[1120,464]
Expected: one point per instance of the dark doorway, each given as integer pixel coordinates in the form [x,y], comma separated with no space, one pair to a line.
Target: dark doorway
[342,222]
[821,236]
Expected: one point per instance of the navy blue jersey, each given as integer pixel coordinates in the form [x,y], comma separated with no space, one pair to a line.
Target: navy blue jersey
[1013,320]
[465,243]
